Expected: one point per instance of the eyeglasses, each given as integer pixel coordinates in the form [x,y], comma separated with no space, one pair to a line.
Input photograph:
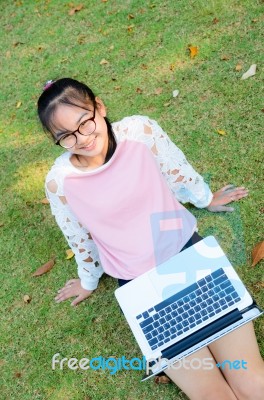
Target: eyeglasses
[86,128]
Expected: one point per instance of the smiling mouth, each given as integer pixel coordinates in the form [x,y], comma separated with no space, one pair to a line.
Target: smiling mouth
[89,145]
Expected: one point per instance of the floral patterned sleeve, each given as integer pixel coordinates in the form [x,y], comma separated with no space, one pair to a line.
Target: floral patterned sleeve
[185,183]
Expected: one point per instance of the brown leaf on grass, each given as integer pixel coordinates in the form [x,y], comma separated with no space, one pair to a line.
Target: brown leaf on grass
[104,62]
[221,132]
[215,21]
[238,67]
[1,224]
[18,375]
[258,286]
[262,110]
[117,88]
[130,16]
[69,254]
[75,9]
[159,90]
[193,51]
[144,66]
[81,39]
[139,91]
[45,267]
[18,104]
[254,20]
[257,253]
[162,379]
[27,299]
[44,201]
[17,44]
[225,58]
[130,28]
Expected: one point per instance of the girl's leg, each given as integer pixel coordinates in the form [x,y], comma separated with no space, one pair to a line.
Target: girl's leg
[241,344]
[201,383]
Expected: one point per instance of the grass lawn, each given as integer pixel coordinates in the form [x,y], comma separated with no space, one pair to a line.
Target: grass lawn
[144,45]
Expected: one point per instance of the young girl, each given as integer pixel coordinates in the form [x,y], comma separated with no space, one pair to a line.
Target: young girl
[107,190]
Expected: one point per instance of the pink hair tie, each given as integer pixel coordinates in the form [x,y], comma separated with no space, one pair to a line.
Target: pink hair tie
[48,84]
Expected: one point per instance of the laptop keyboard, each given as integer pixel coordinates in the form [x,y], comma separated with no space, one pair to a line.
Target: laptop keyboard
[187,309]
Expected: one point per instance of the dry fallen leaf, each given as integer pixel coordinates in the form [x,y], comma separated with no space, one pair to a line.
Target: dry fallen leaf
[159,90]
[162,379]
[258,286]
[221,132]
[70,254]
[18,104]
[172,67]
[17,44]
[130,16]
[130,28]
[27,299]
[104,62]
[18,375]
[225,58]
[138,90]
[193,51]
[75,9]
[238,67]
[257,253]
[45,267]
[250,72]
[215,21]
[44,201]
[81,39]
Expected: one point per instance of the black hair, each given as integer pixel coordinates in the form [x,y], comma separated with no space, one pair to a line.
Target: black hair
[72,92]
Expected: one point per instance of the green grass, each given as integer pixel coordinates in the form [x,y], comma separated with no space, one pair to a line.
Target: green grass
[40,41]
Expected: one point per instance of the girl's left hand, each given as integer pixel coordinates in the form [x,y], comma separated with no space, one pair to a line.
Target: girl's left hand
[226,195]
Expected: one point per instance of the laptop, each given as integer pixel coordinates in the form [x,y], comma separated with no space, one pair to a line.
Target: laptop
[184,304]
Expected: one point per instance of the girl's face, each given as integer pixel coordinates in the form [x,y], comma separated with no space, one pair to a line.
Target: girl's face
[68,119]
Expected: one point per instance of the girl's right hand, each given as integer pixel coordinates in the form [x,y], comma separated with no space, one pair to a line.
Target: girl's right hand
[73,288]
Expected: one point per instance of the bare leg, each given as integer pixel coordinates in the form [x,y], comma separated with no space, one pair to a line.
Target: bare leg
[200,383]
[241,344]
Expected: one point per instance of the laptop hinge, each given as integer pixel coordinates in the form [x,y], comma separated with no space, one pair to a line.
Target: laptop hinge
[203,333]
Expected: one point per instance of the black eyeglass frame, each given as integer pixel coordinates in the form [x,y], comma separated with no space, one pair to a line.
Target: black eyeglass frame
[78,130]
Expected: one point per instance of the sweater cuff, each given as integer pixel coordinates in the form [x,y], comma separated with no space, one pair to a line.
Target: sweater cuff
[92,285]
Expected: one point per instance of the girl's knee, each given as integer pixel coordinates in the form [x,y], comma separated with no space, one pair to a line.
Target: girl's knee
[250,388]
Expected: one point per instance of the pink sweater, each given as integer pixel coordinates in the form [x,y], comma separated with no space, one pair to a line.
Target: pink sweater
[126,205]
